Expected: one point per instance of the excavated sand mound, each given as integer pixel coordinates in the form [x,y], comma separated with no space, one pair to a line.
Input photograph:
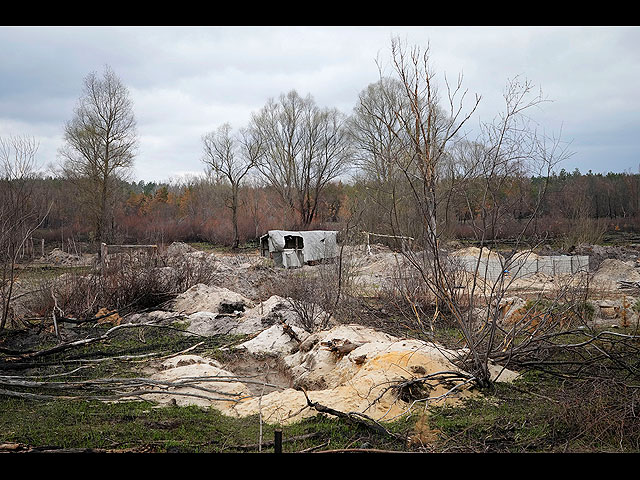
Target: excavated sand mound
[205,298]
[58,257]
[275,340]
[206,393]
[179,248]
[612,271]
[251,321]
[476,252]
[376,271]
[349,368]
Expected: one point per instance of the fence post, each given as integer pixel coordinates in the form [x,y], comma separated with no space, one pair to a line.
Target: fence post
[277,441]
[103,254]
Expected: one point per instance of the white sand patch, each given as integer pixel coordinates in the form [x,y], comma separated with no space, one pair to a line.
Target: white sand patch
[206,298]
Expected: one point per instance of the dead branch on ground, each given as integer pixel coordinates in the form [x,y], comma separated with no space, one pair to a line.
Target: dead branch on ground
[111,389]
[352,417]
[81,343]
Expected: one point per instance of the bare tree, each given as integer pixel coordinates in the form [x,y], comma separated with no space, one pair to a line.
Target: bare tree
[375,127]
[304,147]
[18,216]
[489,177]
[375,130]
[484,174]
[428,127]
[231,157]
[100,143]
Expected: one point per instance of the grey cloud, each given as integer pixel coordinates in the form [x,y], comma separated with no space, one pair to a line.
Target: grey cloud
[187,80]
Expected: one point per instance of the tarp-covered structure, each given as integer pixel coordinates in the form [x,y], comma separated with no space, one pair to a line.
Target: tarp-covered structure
[293,249]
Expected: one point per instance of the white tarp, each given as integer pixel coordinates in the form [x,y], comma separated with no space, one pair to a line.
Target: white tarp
[291,258]
[316,244]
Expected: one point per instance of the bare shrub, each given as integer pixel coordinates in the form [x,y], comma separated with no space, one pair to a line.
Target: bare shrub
[411,298]
[188,269]
[127,283]
[584,230]
[305,294]
[317,292]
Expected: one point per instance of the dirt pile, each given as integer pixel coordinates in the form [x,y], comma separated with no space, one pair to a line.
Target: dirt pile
[212,310]
[266,321]
[208,298]
[345,367]
[375,271]
[227,390]
[348,367]
[248,273]
[179,248]
[60,258]
[476,252]
[613,271]
[598,253]
[184,256]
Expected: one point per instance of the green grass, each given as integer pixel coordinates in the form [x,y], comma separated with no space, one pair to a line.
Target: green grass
[490,425]
[144,426]
[542,414]
[132,342]
[37,272]
[141,426]
[96,425]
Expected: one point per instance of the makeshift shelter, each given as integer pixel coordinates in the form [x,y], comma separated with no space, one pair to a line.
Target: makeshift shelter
[293,249]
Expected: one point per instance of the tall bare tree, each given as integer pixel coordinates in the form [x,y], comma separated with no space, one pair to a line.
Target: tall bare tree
[304,147]
[18,215]
[375,127]
[484,174]
[100,144]
[231,157]
[375,130]
[428,127]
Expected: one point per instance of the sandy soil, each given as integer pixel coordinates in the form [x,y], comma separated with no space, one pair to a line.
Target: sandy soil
[345,367]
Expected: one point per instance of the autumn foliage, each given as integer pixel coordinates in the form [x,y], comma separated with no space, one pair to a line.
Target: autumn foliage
[578,208]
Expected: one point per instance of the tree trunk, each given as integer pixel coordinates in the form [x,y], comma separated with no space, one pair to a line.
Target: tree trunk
[9,292]
[234,215]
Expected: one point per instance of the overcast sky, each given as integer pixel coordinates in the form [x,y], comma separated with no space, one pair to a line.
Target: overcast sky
[186,81]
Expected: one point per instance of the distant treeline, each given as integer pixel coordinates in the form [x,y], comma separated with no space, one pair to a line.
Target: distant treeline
[577,207]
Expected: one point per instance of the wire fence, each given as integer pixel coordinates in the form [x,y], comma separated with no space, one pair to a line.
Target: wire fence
[521,266]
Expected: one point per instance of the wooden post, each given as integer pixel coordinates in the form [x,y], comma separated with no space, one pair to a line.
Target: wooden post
[277,441]
[103,254]
[42,245]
